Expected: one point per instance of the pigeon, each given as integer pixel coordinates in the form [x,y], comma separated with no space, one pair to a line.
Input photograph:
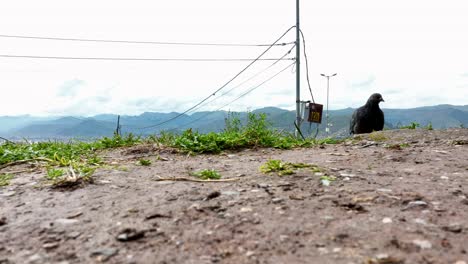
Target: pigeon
[368,117]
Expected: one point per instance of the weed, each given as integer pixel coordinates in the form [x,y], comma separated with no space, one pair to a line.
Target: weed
[377,136]
[144,162]
[429,126]
[413,125]
[207,174]
[284,168]
[54,174]
[277,166]
[5,179]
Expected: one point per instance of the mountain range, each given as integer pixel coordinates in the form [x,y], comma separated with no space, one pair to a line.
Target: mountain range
[66,127]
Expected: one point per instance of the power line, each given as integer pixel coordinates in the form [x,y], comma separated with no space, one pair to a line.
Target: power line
[307,67]
[239,97]
[146,42]
[223,86]
[247,80]
[138,59]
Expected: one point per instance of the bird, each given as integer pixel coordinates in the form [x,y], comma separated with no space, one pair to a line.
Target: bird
[369,117]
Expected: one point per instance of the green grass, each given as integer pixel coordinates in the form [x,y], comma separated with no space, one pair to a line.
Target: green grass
[5,179]
[413,125]
[82,158]
[256,132]
[144,162]
[285,168]
[207,174]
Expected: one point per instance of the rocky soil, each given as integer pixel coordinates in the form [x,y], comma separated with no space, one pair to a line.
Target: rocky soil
[397,196]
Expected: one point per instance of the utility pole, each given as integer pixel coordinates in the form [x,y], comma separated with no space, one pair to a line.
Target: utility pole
[327,129]
[117,130]
[298,69]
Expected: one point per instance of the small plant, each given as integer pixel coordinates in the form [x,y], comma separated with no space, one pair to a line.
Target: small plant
[144,162]
[377,136]
[326,180]
[207,174]
[429,126]
[284,168]
[54,174]
[277,166]
[5,179]
[413,125]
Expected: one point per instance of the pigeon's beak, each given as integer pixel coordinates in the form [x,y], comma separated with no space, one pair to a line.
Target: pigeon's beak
[381,99]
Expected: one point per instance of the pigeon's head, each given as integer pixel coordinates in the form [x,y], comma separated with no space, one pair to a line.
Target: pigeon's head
[375,98]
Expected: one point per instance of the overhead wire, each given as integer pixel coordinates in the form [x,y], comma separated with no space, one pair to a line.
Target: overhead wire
[223,86]
[307,66]
[139,59]
[145,42]
[239,97]
[247,80]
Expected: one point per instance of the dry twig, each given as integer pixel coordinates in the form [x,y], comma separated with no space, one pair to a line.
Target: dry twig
[193,180]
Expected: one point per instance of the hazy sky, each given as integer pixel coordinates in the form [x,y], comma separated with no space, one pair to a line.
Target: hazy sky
[413,52]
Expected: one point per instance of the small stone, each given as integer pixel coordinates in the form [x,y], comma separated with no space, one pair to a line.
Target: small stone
[8,194]
[387,220]
[460,262]
[104,254]
[49,246]
[73,235]
[130,234]
[415,204]
[444,177]
[277,200]
[3,221]
[249,254]
[230,193]
[454,228]
[66,221]
[423,244]
[246,209]
[213,195]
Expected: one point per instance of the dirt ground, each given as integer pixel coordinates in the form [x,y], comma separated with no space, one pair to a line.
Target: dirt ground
[399,196]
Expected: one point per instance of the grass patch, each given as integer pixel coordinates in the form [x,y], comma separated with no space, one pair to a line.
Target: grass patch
[207,174]
[413,125]
[5,179]
[284,168]
[256,132]
[144,162]
[377,136]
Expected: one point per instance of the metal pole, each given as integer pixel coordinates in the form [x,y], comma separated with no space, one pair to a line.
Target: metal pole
[298,68]
[328,89]
[327,129]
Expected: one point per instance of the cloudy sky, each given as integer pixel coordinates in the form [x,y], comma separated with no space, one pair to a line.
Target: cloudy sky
[413,52]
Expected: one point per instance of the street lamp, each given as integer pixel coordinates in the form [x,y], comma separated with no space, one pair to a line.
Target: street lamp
[327,129]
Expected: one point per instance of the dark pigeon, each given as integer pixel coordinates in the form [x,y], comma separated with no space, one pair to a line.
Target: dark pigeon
[368,117]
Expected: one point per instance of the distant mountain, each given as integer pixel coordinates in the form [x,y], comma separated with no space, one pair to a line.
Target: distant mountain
[440,116]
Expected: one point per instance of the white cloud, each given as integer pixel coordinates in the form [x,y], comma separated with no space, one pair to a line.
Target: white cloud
[413,52]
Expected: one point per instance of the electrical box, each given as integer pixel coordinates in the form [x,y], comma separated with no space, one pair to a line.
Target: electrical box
[315,113]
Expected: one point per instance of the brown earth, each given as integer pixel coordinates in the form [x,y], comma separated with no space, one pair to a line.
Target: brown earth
[399,196]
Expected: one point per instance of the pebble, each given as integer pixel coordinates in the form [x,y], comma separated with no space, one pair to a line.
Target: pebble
[423,244]
[130,234]
[415,204]
[230,193]
[63,221]
[246,209]
[460,262]
[104,254]
[387,220]
[277,200]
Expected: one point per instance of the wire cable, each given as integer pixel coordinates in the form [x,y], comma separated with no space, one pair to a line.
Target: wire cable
[145,42]
[247,80]
[239,97]
[307,66]
[137,59]
[223,86]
